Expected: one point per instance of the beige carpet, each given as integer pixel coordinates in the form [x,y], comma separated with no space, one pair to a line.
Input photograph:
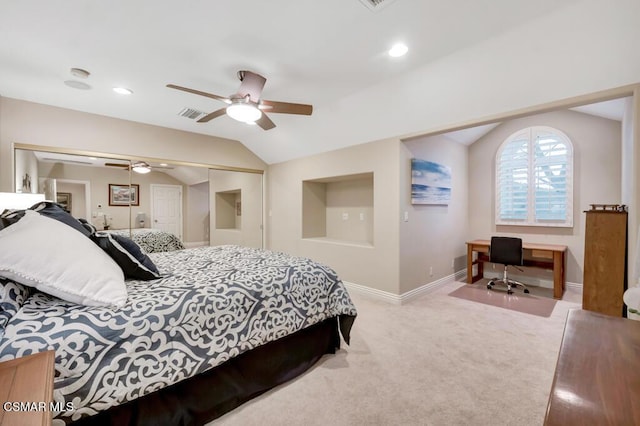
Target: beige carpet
[438,360]
[539,301]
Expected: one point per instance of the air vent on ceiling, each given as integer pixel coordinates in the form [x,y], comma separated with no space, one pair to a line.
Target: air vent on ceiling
[376,5]
[191,113]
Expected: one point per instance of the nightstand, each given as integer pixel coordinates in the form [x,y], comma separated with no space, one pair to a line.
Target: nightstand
[27,380]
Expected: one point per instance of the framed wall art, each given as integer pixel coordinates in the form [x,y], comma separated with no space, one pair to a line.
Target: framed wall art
[124,195]
[430,182]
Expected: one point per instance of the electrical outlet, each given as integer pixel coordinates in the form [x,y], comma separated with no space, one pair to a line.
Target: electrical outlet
[430,271]
[362,216]
[345,216]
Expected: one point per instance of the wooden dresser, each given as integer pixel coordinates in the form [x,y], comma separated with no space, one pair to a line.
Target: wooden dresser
[28,380]
[605,259]
[597,379]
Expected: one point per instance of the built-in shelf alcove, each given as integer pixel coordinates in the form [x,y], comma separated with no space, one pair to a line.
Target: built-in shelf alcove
[339,208]
[228,209]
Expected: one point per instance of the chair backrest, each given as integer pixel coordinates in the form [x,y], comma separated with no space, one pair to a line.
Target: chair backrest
[506,250]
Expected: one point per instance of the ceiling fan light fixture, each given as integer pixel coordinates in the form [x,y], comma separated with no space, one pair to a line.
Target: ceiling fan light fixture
[244,112]
[141,168]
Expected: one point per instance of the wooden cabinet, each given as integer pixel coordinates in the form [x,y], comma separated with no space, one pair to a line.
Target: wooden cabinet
[605,260]
[27,380]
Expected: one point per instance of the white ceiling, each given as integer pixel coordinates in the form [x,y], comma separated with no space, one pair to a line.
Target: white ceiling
[317,52]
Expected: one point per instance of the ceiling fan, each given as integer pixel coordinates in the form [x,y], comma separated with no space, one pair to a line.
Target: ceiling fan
[246,105]
[138,166]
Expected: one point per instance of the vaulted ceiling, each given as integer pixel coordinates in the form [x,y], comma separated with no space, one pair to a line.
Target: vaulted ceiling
[331,54]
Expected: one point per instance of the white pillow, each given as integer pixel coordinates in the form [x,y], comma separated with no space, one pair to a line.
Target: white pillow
[44,253]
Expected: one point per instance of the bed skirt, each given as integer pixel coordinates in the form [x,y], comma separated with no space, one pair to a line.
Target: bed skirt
[209,395]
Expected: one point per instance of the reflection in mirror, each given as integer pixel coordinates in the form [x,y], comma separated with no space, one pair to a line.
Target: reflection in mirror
[112,196]
[236,208]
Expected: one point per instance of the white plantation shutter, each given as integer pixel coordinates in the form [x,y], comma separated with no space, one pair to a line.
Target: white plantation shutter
[534,179]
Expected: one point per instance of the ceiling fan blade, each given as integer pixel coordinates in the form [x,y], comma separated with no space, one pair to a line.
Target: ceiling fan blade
[286,107]
[265,122]
[126,166]
[212,115]
[198,92]
[252,85]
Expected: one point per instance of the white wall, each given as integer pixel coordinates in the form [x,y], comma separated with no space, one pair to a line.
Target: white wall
[597,144]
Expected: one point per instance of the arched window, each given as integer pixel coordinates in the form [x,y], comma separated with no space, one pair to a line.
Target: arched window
[534,178]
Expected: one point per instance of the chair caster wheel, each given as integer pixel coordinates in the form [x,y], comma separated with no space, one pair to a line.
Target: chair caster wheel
[509,292]
[526,290]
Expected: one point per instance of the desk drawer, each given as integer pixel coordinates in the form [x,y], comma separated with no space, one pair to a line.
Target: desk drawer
[543,254]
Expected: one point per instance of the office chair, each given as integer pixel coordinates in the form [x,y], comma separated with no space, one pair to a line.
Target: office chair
[506,251]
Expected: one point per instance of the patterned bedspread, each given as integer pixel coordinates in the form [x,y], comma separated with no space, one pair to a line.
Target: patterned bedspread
[212,304]
[151,240]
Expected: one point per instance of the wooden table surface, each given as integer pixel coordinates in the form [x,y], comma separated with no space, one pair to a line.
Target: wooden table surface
[597,378]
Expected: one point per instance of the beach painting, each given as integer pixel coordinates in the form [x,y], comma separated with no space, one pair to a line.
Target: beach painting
[430,182]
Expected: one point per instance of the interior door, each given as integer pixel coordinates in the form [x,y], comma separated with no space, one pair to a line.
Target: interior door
[235,208]
[166,208]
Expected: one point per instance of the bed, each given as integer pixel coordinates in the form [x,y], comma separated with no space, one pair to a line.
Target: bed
[216,327]
[151,240]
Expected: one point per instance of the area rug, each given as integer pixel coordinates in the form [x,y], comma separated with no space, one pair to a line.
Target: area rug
[518,301]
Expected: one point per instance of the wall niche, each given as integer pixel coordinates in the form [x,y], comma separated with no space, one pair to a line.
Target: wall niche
[228,209]
[339,209]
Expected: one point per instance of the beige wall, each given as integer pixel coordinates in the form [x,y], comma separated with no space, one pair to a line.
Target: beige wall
[196,224]
[432,241]
[597,179]
[373,265]
[38,124]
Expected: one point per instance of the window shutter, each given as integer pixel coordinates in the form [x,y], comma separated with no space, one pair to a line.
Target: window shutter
[534,179]
[550,177]
[513,179]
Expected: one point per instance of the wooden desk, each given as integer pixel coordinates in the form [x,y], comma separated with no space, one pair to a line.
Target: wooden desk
[597,379]
[27,379]
[546,256]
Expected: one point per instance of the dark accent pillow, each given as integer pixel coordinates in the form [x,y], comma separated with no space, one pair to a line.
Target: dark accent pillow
[128,255]
[57,212]
[88,226]
[9,217]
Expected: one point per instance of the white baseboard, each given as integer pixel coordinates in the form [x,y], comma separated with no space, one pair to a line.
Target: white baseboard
[192,244]
[400,299]
[576,286]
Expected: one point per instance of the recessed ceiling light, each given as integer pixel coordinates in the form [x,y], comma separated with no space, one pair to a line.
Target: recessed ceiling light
[77,84]
[93,158]
[399,49]
[164,164]
[122,90]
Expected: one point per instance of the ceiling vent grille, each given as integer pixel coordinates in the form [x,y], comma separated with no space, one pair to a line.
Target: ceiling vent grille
[376,5]
[190,113]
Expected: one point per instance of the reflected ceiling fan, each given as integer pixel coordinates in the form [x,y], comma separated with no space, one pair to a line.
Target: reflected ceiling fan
[137,166]
[246,105]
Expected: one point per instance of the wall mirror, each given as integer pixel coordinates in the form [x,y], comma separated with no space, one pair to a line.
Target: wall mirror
[117,192]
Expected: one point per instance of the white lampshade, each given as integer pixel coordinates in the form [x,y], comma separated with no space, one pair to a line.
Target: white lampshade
[246,113]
